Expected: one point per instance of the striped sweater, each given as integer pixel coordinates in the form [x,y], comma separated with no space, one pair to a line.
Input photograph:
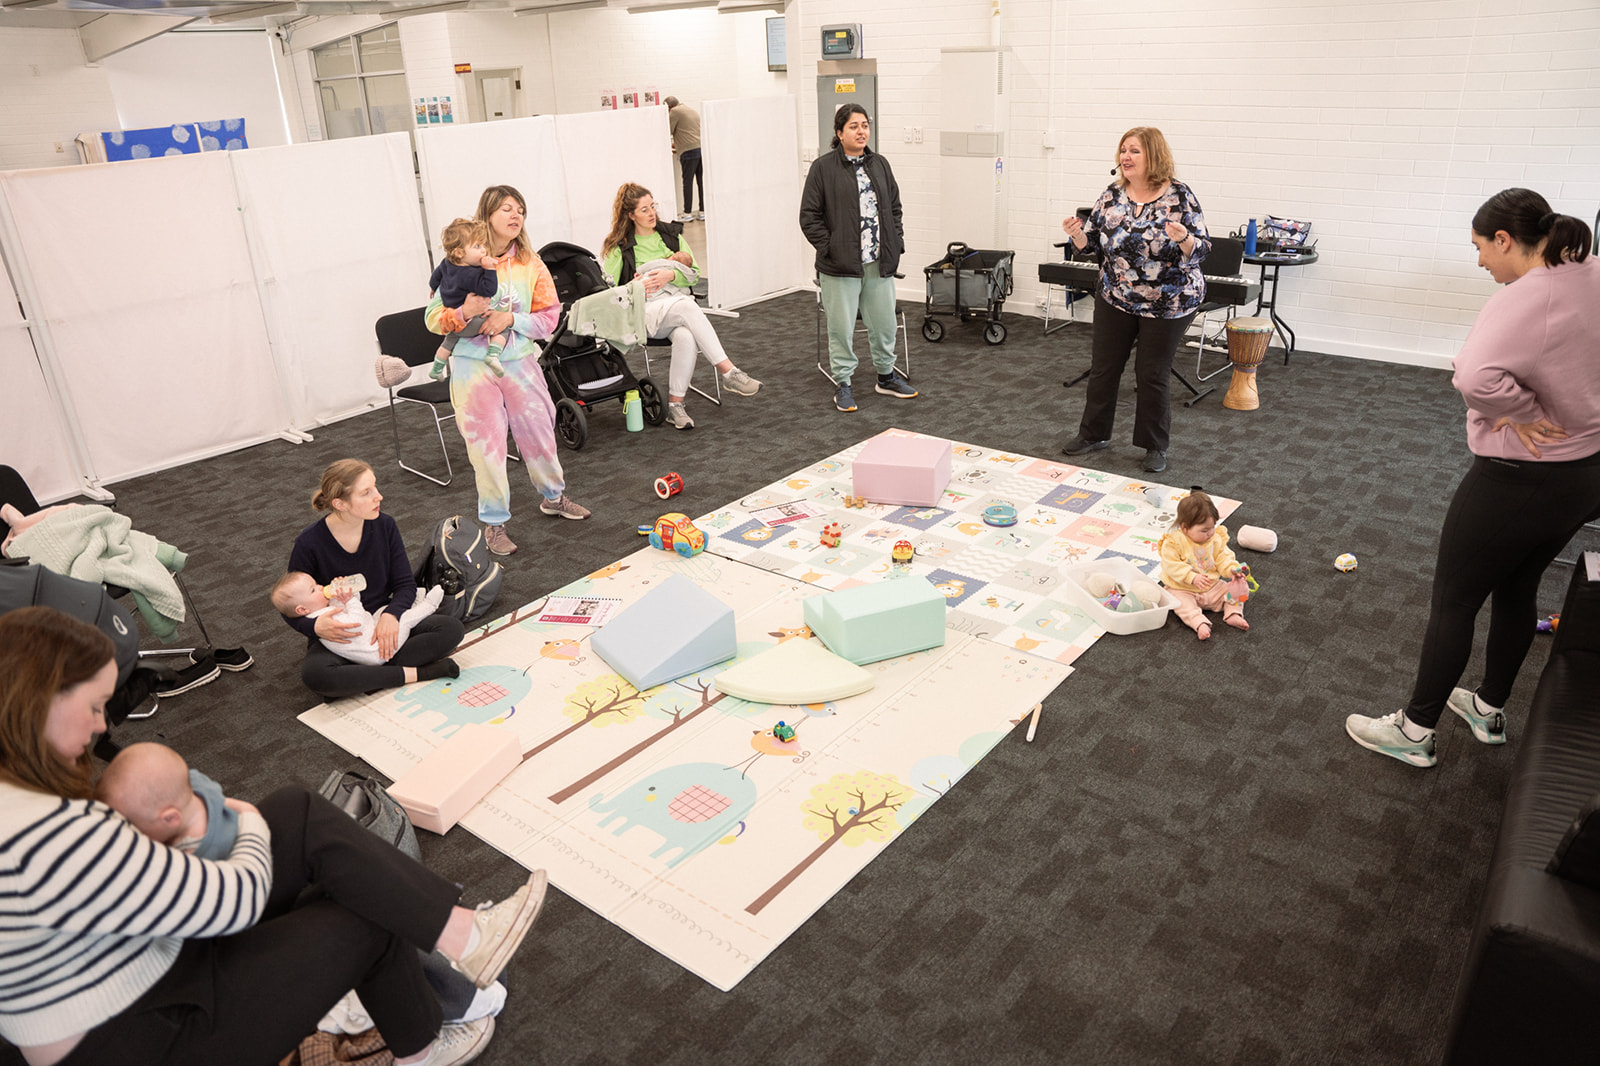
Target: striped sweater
[93,912]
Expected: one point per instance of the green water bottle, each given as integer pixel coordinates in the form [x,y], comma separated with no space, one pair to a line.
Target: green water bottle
[633,410]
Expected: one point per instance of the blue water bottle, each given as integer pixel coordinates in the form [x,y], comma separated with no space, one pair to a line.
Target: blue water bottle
[1250,238]
[633,410]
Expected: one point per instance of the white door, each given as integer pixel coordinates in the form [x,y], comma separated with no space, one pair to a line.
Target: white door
[497,92]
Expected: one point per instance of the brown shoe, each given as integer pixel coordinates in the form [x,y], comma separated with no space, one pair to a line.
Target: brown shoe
[495,537]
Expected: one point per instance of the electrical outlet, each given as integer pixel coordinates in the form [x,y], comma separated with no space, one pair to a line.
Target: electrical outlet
[917,133]
[59,148]
[905,134]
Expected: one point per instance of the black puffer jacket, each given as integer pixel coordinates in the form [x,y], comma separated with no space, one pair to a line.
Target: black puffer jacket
[830,214]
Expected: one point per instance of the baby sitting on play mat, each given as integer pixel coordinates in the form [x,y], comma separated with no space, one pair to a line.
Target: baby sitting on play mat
[152,787]
[1197,567]
[298,594]
[466,270]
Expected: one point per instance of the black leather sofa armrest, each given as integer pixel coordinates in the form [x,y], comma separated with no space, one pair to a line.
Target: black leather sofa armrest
[1580,614]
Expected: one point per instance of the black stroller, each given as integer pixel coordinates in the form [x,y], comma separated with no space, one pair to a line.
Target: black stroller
[581,371]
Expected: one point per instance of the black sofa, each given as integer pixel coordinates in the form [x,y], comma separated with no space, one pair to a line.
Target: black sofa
[1530,988]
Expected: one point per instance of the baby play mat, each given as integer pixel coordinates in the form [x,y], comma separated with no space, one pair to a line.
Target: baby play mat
[676,812]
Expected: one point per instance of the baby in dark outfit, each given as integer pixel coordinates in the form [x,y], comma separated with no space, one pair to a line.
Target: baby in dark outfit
[463,274]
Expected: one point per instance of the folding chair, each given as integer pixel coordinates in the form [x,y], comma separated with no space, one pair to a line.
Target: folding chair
[1225,259]
[699,291]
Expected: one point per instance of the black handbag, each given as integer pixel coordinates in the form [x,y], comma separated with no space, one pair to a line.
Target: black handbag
[373,809]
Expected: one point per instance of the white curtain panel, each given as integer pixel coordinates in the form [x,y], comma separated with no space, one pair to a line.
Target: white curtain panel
[602,149]
[336,233]
[32,438]
[148,301]
[459,162]
[751,153]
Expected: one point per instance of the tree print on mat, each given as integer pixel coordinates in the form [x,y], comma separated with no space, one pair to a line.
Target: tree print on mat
[847,808]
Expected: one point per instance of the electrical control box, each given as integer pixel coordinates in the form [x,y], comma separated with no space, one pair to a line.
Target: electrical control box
[842,41]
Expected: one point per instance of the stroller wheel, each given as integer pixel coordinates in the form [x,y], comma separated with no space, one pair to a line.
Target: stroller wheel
[572,426]
[655,412]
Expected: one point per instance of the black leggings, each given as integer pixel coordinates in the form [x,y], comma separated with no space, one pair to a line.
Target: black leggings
[692,175]
[1505,524]
[1115,332]
[332,677]
[253,996]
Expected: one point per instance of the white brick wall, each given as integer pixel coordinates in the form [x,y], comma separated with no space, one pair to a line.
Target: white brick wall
[1384,124]
[50,96]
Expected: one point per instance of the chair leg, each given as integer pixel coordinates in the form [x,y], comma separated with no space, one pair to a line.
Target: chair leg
[716,379]
[1049,299]
[394,424]
[1203,341]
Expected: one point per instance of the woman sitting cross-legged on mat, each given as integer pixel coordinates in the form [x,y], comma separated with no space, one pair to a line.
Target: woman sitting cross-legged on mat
[638,237]
[525,308]
[120,949]
[356,537]
[1532,384]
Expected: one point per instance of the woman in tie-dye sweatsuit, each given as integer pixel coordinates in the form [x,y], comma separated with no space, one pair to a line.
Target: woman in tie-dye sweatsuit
[486,406]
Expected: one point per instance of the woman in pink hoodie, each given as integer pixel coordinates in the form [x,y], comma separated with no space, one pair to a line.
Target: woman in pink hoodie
[1530,374]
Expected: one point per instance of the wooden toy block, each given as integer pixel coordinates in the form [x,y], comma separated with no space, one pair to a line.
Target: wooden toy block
[879,620]
[450,780]
[672,631]
[910,471]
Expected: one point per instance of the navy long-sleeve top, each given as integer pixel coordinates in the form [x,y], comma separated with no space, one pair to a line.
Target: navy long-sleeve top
[454,282]
[381,557]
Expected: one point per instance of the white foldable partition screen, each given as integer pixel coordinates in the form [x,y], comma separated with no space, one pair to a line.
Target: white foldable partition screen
[459,162]
[143,285]
[336,234]
[602,149]
[752,158]
[32,437]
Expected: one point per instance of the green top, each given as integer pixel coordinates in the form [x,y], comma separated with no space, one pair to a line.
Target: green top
[647,247]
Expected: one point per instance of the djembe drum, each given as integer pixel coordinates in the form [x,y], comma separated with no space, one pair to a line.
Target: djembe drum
[1247,347]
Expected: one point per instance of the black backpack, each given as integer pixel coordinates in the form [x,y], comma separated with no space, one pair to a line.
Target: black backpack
[458,560]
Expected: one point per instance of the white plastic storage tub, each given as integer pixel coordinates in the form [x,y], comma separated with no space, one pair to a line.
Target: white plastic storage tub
[1124,573]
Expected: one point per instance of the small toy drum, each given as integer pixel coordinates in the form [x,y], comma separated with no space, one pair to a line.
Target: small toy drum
[1247,347]
[670,485]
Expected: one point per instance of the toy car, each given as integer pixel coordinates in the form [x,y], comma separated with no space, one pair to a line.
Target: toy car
[675,533]
[784,733]
[902,551]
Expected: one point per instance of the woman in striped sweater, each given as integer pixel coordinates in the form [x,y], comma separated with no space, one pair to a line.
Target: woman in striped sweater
[114,948]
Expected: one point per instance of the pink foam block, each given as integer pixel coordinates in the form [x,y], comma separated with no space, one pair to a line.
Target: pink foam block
[911,471]
[449,782]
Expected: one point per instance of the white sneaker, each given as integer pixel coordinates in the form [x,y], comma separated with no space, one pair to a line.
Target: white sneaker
[501,928]
[1384,736]
[678,415]
[460,1042]
[685,217]
[701,215]
[738,381]
[1488,723]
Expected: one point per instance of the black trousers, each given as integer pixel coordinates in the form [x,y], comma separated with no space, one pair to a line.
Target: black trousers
[346,911]
[1505,524]
[332,677]
[1115,334]
[690,162]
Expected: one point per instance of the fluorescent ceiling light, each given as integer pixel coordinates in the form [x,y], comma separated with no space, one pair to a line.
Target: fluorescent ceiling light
[577,5]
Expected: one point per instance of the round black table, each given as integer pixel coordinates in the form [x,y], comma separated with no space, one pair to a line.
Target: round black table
[1270,263]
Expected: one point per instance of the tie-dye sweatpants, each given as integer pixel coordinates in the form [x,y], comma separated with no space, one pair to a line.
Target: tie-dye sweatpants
[486,407]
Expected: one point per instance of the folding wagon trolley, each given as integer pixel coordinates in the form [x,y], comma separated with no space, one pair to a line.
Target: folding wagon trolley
[968,283]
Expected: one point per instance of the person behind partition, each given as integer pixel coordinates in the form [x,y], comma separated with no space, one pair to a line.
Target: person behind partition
[641,243]
[121,950]
[850,212]
[1529,373]
[487,406]
[684,124]
[1149,235]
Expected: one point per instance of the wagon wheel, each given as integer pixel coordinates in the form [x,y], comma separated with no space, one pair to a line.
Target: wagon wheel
[995,333]
[933,330]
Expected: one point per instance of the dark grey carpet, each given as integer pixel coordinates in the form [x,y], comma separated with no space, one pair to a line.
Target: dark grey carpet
[1192,864]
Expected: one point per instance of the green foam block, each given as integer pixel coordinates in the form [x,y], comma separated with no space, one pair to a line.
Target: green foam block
[879,620]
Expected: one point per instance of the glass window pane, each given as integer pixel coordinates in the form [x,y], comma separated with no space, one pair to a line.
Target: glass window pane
[388,103]
[380,49]
[341,108]
[334,59]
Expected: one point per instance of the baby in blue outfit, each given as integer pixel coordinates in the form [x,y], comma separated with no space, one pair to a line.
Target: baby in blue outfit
[151,786]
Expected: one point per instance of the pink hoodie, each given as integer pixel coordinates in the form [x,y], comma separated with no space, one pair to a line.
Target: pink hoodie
[1535,352]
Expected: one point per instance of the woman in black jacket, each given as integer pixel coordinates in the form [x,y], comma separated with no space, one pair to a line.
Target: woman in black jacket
[850,212]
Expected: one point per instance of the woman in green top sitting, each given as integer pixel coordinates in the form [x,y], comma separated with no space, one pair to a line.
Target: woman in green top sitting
[636,241]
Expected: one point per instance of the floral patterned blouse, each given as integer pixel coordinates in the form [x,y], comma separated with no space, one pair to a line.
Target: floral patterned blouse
[869,210]
[1142,271]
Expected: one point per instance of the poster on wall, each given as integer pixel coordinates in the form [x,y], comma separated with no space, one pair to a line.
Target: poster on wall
[420,106]
[213,136]
[630,98]
[652,96]
[444,110]
[433,110]
[608,99]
